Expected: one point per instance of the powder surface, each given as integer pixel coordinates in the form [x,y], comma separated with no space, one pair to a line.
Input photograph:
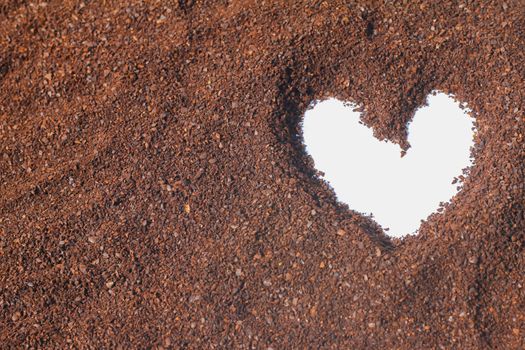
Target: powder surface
[155,191]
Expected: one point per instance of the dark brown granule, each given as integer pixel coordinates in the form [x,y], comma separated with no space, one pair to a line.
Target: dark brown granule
[154,191]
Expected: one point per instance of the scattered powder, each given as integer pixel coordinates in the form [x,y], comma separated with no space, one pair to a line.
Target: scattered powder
[151,150]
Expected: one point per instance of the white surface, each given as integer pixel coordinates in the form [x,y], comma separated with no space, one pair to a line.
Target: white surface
[370,175]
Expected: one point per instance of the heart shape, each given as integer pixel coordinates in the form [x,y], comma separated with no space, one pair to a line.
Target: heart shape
[373,178]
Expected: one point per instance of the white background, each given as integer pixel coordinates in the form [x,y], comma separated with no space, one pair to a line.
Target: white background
[371,177]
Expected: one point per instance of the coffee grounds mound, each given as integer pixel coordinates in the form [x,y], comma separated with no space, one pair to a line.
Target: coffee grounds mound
[155,192]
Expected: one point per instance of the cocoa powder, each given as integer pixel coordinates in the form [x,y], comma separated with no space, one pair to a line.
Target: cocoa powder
[155,192]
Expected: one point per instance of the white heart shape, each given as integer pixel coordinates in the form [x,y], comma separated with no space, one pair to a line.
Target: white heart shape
[372,177]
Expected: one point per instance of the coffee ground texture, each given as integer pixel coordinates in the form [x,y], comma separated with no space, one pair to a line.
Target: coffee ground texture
[155,192]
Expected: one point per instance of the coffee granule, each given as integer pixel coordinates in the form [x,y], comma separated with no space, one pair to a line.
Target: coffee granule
[155,192]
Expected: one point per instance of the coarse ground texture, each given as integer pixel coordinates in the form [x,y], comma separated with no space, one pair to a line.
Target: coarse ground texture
[155,193]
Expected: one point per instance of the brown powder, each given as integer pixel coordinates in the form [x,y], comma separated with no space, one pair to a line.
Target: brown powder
[155,193]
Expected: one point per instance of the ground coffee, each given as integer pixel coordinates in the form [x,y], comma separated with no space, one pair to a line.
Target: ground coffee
[155,193]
